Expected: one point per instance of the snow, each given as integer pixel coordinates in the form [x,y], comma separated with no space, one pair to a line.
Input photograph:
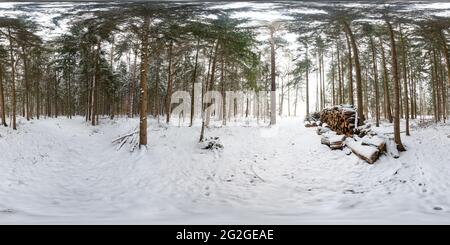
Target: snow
[363,150]
[66,171]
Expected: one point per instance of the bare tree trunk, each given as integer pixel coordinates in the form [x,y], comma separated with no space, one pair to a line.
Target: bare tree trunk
[433,85]
[222,82]
[95,85]
[319,61]
[375,75]
[359,93]
[350,72]
[387,100]
[208,85]
[38,93]
[446,54]
[307,83]
[296,100]
[405,82]
[2,99]
[194,77]
[323,80]
[143,83]
[273,95]
[157,103]
[13,80]
[397,137]
[169,84]
[132,86]
[333,73]
[281,98]
[27,85]
[341,88]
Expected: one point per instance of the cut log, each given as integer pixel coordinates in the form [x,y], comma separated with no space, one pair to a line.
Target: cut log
[340,118]
[376,141]
[367,153]
[332,140]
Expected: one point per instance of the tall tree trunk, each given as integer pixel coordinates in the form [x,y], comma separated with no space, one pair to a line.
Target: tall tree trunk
[208,85]
[95,85]
[222,82]
[55,100]
[211,83]
[350,72]
[387,99]
[132,85]
[333,73]
[143,83]
[307,83]
[446,54]
[359,93]
[319,61]
[169,84]
[341,88]
[27,85]
[375,83]
[2,99]
[273,95]
[194,77]
[296,100]
[38,93]
[434,86]
[157,104]
[397,137]
[13,80]
[405,82]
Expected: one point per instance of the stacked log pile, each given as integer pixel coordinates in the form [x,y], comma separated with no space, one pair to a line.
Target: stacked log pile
[312,120]
[362,141]
[340,118]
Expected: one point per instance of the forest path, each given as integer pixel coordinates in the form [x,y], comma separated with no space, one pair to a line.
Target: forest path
[61,170]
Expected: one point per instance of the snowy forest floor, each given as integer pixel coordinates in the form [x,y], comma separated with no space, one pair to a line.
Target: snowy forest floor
[65,171]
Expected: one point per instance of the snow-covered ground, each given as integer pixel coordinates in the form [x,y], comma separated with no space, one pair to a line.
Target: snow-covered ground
[66,171]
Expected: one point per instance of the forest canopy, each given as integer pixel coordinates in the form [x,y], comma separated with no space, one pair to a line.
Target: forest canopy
[389,60]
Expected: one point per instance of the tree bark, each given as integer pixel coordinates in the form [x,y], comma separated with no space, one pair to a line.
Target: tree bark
[143,83]
[13,80]
[359,93]
[340,89]
[169,84]
[405,82]
[27,85]
[446,54]
[2,99]
[307,82]
[95,85]
[387,99]
[350,72]
[273,95]
[208,84]
[375,75]
[397,137]
[194,77]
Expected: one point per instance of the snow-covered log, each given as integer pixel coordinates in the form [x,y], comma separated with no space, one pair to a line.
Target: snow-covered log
[376,141]
[366,152]
[332,140]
